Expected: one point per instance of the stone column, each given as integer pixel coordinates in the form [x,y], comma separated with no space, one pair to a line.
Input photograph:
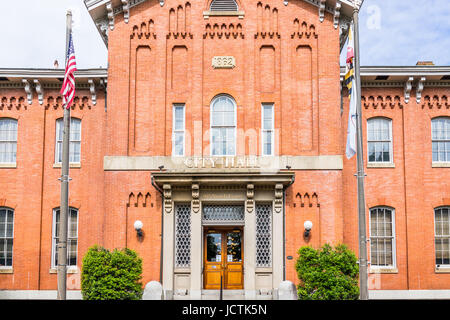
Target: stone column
[168,244]
[277,239]
[196,244]
[249,245]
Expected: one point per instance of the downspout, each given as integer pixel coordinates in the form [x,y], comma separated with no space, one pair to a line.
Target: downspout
[162,228]
[42,200]
[284,226]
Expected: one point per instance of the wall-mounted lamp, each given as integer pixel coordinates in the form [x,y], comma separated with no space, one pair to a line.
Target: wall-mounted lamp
[138,227]
[308,226]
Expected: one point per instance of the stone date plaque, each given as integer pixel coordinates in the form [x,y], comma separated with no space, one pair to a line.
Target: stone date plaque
[223,62]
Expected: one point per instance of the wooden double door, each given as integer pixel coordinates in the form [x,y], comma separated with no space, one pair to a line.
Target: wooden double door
[223,258]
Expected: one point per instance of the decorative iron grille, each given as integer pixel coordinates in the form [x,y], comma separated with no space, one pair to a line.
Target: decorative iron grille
[263,235]
[223,214]
[183,236]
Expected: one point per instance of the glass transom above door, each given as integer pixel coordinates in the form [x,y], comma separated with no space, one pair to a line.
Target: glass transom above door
[223,215]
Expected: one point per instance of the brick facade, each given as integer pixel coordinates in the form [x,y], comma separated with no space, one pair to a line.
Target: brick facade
[284,55]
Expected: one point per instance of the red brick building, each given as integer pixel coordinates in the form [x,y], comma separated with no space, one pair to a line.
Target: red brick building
[221,126]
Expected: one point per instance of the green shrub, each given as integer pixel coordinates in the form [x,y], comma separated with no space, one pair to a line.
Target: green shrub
[327,273]
[112,275]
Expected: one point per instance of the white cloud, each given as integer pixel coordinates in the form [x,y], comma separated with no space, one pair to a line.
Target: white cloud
[409,31]
[33,33]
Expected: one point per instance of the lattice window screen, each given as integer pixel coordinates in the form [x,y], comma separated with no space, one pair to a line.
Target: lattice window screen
[263,235]
[224,5]
[183,236]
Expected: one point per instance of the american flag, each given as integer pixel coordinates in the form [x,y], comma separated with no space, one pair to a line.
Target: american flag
[68,87]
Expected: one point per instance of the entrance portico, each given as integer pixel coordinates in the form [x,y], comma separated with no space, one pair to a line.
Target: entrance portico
[241,214]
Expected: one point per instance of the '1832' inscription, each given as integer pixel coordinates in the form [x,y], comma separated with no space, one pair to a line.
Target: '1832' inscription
[223,62]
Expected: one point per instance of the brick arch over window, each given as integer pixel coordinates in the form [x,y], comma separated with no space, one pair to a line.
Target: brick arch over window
[224,5]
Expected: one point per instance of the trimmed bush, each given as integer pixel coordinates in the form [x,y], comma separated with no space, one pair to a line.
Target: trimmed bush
[327,273]
[112,275]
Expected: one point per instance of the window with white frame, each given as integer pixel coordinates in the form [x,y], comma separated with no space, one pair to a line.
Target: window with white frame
[379,140]
[72,237]
[8,140]
[382,237]
[75,140]
[6,237]
[178,131]
[223,126]
[442,235]
[440,136]
[267,129]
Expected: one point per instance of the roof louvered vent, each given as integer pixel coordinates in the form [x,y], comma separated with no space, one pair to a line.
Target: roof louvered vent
[224,5]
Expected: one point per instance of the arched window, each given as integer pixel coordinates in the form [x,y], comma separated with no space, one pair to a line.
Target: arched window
[442,236]
[379,140]
[6,237]
[223,126]
[440,137]
[382,237]
[75,140]
[8,140]
[223,5]
[72,237]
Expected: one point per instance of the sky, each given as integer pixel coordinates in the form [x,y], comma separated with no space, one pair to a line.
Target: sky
[392,33]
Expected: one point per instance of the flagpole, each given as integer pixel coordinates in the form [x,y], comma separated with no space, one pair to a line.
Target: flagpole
[363,278]
[64,207]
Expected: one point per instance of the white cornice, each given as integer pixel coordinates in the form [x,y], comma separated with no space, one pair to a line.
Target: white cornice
[402,71]
[51,73]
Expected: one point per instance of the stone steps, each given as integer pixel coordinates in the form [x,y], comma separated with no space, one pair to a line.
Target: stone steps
[227,294]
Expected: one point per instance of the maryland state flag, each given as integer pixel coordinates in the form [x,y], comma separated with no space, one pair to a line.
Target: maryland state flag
[349,80]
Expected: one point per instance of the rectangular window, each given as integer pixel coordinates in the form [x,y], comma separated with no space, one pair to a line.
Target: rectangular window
[178,131]
[440,135]
[72,237]
[382,239]
[379,140]
[75,140]
[267,129]
[6,237]
[442,236]
[8,140]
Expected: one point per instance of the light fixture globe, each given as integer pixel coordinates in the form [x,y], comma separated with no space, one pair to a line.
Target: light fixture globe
[308,225]
[138,225]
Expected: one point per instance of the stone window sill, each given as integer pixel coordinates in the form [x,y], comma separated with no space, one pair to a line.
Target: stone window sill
[442,270]
[207,14]
[6,270]
[380,165]
[8,165]
[69,270]
[440,164]
[71,165]
[383,270]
